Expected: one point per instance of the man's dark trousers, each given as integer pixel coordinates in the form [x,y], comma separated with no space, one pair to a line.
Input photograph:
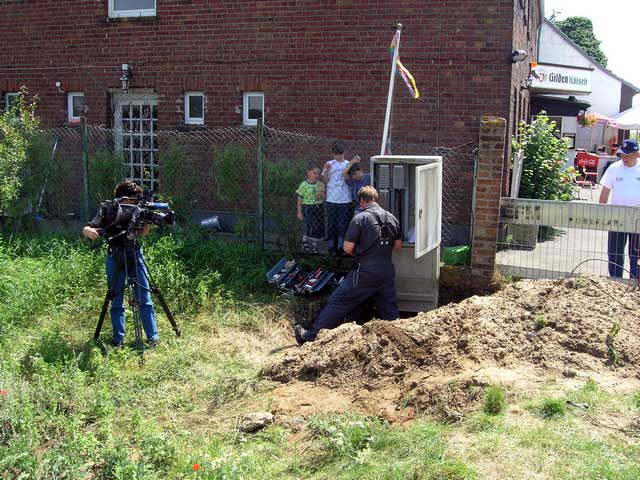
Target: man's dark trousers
[374,280]
[615,249]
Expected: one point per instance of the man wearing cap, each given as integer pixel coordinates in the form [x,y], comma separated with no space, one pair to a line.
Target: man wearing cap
[622,182]
[372,236]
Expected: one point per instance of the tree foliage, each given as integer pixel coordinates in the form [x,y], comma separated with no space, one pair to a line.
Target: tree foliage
[17,126]
[580,30]
[544,152]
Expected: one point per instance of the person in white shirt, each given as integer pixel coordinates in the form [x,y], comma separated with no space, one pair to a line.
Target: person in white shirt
[338,198]
[621,181]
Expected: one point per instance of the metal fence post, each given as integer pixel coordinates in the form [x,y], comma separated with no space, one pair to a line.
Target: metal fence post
[260,159]
[84,141]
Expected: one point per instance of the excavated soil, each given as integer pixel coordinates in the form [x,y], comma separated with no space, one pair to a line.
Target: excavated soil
[438,362]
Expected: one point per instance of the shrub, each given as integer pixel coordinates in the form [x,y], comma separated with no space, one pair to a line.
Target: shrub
[106,169]
[553,408]
[177,183]
[232,174]
[17,126]
[495,400]
[544,152]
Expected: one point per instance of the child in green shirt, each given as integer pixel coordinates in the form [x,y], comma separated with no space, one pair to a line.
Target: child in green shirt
[311,193]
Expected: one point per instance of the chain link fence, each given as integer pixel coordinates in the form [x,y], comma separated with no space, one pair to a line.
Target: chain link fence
[246,176]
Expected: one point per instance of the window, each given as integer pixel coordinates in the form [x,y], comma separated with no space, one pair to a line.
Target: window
[136,120]
[132,8]
[558,129]
[252,108]
[572,140]
[75,106]
[194,108]
[10,98]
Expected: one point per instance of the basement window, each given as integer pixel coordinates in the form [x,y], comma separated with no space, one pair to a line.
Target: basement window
[194,108]
[10,98]
[132,8]
[75,106]
[252,108]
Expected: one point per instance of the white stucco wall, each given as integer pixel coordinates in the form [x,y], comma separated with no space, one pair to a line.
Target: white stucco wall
[606,90]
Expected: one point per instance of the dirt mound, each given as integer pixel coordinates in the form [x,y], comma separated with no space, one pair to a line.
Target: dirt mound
[438,360]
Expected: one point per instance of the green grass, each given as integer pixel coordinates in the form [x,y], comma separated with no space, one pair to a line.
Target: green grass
[495,400]
[357,447]
[69,411]
[540,322]
[552,408]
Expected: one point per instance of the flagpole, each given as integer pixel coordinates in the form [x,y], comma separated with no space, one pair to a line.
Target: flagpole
[387,116]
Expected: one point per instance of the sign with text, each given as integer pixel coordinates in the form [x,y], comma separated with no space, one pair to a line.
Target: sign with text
[557,79]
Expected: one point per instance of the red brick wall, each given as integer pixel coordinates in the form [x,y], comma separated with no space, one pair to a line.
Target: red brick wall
[323,64]
[526,19]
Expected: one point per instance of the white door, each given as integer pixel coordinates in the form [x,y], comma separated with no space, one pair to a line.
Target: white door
[428,212]
[136,136]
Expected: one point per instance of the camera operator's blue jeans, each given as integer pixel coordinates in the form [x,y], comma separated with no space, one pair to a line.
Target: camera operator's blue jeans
[116,282]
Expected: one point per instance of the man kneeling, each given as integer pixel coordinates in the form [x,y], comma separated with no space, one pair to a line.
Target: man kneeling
[372,236]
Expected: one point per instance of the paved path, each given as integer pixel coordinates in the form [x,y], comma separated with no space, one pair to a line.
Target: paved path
[563,252]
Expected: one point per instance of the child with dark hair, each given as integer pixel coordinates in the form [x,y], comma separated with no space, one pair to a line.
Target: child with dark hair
[311,193]
[356,179]
[338,197]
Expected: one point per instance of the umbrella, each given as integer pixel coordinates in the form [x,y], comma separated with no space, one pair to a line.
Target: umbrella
[629,119]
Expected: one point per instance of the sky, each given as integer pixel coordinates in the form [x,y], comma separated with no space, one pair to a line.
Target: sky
[616,23]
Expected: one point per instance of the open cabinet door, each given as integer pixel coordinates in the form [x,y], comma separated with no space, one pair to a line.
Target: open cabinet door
[428,209]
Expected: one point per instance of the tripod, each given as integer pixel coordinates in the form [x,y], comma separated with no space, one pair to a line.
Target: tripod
[138,281]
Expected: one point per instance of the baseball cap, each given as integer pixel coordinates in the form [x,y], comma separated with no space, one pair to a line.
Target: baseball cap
[628,146]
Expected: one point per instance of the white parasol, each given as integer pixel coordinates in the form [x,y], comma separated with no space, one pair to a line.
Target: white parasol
[629,119]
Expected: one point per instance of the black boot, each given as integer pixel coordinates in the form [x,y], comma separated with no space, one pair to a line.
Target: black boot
[303,335]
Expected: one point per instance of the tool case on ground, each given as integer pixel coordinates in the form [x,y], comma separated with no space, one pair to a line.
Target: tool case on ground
[288,275]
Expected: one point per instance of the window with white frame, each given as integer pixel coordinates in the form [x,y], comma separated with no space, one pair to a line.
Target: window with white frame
[10,98]
[194,108]
[75,106]
[252,108]
[132,8]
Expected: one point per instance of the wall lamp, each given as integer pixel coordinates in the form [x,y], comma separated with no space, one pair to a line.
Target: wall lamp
[518,56]
[527,83]
[127,74]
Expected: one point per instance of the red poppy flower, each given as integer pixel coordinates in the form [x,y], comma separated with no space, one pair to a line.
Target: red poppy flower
[196,467]
[3,392]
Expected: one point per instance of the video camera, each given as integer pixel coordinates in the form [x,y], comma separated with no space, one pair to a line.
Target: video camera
[131,217]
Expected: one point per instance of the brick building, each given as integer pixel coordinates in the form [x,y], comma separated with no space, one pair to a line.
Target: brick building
[322,66]
[316,66]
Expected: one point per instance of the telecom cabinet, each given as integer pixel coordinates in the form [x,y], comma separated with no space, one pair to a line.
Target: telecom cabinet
[410,187]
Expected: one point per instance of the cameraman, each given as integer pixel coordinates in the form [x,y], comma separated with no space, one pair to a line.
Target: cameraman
[124,256]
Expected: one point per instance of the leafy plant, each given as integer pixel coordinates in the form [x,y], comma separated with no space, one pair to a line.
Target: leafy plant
[614,355]
[543,176]
[178,180]
[106,170]
[540,322]
[232,174]
[553,408]
[17,126]
[495,400]
[587,119]
[280,183]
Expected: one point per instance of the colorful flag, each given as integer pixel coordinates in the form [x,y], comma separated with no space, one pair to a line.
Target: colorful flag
[402,71]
